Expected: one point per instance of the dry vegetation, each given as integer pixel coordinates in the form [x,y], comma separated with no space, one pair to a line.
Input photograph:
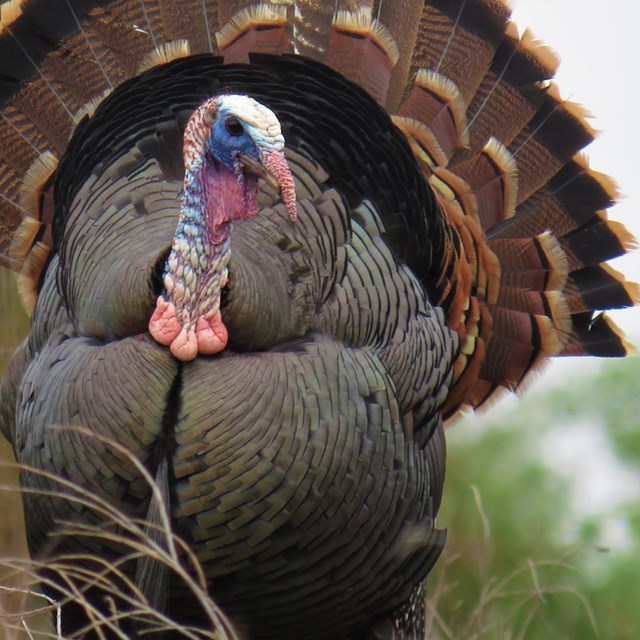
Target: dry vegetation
[25,615]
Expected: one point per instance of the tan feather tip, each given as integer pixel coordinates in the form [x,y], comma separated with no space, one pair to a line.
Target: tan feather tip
[626,239]
[164,53]
[424,144]
[550,338]
[24,239]
[485,395]
[559,313]
[578,111]
[447,91]
[9,12]
[629,348]
[606,182]
[512,32]
[455,190]
[545,55]
[493,273]
[29,276]
[556,259]
[249,18]
[502,157]
[507,165]
[632,288]
[362,23]
[35,178]
[89,108]
[537,369]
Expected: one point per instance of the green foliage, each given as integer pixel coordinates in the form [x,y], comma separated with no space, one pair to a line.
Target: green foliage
[15,324]
[15,327]
[524,559]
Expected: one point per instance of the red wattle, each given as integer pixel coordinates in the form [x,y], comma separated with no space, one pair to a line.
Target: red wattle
[212,334]
[164,325]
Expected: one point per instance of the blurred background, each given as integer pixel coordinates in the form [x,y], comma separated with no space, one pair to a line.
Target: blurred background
[542,500]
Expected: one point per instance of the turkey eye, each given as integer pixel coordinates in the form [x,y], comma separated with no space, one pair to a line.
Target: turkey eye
[234,127]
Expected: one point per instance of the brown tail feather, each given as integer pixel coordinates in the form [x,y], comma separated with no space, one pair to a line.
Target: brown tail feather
[424,143]
[551,138]
[510,92]
[530,254]
[570,199]
[436,102]
[458,40]
[597,336]
[363,50]
[600,287]
[551,304]
[311,25]
[492,175]
[403,21]
[597,242]
[261,29]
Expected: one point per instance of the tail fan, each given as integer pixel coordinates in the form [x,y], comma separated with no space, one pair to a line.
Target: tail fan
[521,271]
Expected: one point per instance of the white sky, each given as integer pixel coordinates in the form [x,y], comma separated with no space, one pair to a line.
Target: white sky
[599,45]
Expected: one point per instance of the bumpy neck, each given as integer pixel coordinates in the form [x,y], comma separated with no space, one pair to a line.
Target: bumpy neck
[210,202]
[200,252]
[187,316]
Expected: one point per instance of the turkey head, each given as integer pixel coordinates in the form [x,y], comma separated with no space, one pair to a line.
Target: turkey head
[230,141]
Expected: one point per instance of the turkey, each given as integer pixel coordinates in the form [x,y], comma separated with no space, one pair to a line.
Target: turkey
[269,250]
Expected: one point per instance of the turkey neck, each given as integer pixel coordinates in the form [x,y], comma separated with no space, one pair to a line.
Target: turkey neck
[197,266]
[201,242]
[214,196]
[187,315]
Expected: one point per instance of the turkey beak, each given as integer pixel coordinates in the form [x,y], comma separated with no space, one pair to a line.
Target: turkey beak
[254,167]
[274,170]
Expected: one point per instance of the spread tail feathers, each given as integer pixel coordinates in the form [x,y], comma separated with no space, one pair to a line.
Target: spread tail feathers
[522,272]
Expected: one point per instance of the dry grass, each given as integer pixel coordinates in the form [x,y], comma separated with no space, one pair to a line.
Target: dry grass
[74,575]
[25,614]
[526,603]
[17,603]
[527,589]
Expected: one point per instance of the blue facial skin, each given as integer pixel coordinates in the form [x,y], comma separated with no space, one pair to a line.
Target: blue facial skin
[225,146]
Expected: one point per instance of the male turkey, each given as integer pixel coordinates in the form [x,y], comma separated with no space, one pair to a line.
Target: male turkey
[246,274]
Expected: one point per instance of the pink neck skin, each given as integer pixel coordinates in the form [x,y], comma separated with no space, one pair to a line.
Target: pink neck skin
[189,321]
